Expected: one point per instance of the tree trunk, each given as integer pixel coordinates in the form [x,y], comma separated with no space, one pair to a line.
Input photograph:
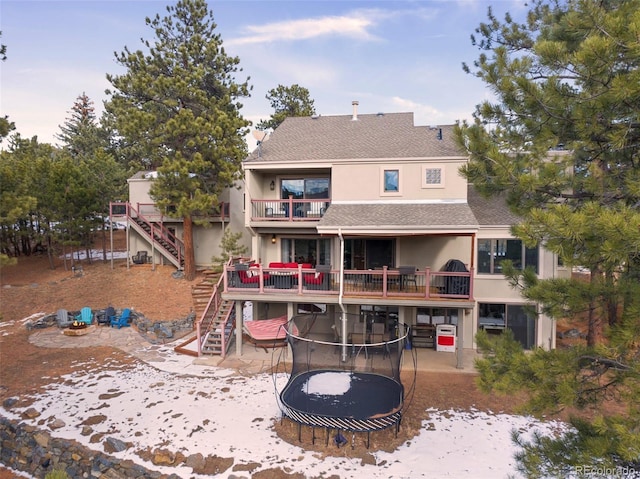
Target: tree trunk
[189,253]
[50,252]
[594,320]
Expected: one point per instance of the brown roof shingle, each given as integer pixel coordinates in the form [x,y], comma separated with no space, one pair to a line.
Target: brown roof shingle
[393,218]
[389,135]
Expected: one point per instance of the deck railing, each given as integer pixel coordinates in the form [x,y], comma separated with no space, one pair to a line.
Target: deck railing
[209,320]
[155,229]
[383,283]
[289,210]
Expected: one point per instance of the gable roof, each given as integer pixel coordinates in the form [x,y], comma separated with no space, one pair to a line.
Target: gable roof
[388,135]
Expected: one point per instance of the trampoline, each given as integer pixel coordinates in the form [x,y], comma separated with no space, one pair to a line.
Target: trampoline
[349,382]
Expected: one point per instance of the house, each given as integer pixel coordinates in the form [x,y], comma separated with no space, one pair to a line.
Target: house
[368,214]
[153,237]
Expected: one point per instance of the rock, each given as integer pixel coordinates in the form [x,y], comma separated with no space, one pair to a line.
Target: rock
[111,445]
[163,332]
[57,424]
[30,413]
[195,461]
[569,334]
[9,403]
[162,457]
[42,439]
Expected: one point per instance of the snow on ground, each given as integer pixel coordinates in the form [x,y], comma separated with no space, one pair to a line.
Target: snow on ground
[179,406]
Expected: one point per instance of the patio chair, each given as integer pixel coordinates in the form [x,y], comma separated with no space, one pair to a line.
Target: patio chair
[104,317]
[85,316]
[140,257]
[359,338]
[407,275]
[319,279]
[63,319]
[123,320]
[379,336]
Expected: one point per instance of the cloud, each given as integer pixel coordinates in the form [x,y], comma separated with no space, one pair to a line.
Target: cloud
[357,25]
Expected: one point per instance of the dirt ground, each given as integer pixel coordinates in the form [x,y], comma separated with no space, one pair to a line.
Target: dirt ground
[31,287]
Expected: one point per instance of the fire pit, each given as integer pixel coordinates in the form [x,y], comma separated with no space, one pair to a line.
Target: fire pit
[77,328]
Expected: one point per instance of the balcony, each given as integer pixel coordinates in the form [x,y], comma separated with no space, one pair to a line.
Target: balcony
[289,210]
[150,211]
[257,282]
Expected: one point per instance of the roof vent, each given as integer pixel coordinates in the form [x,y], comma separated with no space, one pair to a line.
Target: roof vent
[380,113]
[355,110]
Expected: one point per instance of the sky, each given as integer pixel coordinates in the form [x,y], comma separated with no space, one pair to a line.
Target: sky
[390,56]
[164,403]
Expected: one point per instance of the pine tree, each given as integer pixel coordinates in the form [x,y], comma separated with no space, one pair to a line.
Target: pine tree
[86,142]
[287,101]
[180,102]
[229,248]
[79,134]
[560,144]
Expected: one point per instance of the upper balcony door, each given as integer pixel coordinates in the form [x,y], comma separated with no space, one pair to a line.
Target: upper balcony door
[369,253]
[304,188]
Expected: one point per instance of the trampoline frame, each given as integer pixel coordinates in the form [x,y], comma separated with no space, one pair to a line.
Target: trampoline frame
[378,422]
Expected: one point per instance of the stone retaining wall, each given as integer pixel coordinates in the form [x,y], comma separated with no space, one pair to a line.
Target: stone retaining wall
[156,332]
[28,449]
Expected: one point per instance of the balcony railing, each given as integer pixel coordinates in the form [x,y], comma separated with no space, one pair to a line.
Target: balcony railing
[382,283]
[152,213]
[289,210]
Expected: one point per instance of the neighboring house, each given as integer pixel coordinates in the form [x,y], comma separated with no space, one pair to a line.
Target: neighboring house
[159,238]
[358,198]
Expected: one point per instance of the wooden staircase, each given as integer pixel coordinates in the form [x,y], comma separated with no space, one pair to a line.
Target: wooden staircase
[218,319]
[201,292]
[155,235]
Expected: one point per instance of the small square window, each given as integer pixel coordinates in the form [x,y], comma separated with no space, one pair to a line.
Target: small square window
[432,176]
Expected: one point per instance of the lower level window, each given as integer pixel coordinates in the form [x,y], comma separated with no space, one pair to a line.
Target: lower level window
[494,318]
[312,308]
[492,252]
[437,316]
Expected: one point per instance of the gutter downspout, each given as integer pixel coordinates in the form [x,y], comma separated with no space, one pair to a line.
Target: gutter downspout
[340,296]
[239,310]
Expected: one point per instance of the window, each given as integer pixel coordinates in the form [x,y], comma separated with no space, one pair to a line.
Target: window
[494,318]
[300,250]
[369,254]
[307,188]
[492,252]
[379,314]
[437,316]
[312,308]
[391,181]
[432,176]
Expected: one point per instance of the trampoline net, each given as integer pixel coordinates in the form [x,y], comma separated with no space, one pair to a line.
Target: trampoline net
[346,342]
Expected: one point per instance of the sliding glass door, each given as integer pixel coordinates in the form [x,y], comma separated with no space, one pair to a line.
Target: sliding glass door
[369,253]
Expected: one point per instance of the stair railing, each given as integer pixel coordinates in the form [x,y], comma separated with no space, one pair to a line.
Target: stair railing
[158,233]
[206,322]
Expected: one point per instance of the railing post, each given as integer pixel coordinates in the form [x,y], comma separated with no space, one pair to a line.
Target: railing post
[427,279]
[199,338]
[290,207]
[261,277]
[384,281]
[471,276]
